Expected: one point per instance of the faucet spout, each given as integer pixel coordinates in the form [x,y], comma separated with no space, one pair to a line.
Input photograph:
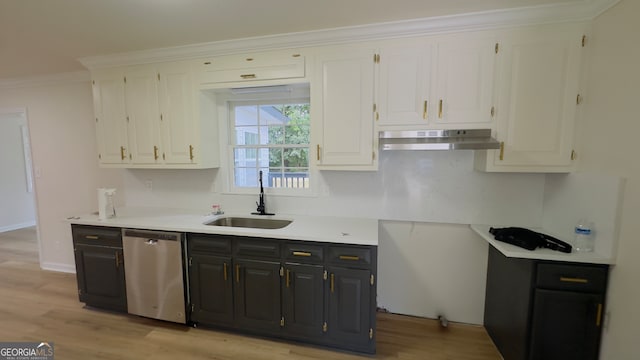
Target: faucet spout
[261,209]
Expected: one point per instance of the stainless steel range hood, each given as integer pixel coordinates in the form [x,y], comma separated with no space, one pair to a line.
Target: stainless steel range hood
[475,139]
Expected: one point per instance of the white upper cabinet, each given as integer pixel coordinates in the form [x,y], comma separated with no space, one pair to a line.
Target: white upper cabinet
[154,116]
[110,117]
[440,82]
[463,80]
[342,99]
[537,100]
[143,115]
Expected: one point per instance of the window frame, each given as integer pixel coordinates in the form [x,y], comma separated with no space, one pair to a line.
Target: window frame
[265,99]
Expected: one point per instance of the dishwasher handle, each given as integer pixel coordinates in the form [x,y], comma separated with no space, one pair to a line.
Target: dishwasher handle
[150,234]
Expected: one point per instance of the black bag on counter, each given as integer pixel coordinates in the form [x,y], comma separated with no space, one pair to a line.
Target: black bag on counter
[529,239]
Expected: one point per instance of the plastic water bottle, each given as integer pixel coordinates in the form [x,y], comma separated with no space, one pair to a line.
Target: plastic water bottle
[584,236]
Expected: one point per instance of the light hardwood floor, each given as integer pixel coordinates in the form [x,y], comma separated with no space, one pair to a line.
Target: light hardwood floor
[37,305]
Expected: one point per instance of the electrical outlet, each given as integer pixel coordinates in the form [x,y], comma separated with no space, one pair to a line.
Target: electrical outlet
[148,184]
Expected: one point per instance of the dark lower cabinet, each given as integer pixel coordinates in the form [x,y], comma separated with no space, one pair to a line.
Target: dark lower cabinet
[565,325]
[544,310]
[257,295]
[100,267]
[350,309]
[303,301]
[211,289]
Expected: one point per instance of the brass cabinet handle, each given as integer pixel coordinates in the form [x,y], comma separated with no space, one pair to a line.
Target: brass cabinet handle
[237,273]
[248,76]
[425,110]
[440,109]
[349,257]
[502,151]
[574,280]
[155,152]
[191,152]
[92,237]
[599,316]
[288,277]
[332,282]
[301,253]
[318,152]
[122,155]
[224,271]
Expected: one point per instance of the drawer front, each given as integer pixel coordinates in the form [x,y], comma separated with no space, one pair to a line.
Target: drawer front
[209,244]
[572,277]
[239,68]
[350,255]
[260,248]
[97,235]
[303,253]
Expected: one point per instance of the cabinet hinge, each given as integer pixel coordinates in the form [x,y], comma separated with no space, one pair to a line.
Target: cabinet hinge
[584,40]
[373,155]
[163,158]
[374,107]
[578,99]
[281,272]
[93,82]
[493,111]
[125,79]
[158,76]
[282,321]
[160,117]
[96,119]
[324,327]
[127,118]
[497,47]
[130,157]
[324,276]
[370,333]
[100,156]
[190,261]
[372,279]
[192,308]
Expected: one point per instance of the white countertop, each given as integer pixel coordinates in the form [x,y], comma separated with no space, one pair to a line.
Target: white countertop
[539,253]
[355,231]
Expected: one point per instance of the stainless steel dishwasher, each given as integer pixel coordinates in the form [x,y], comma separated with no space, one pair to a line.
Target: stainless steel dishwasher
[154,274]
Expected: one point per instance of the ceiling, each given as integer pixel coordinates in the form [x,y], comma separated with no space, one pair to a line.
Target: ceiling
[39,37]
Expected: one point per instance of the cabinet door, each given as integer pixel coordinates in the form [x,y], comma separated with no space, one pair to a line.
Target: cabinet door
[566,325]
[211,289]
[303,306]
[344,105]
[178,123]
[100,276]
[537,101]
[464,77]
[111,125]
[257,295]
[405,78]
[143,116]
[349,319]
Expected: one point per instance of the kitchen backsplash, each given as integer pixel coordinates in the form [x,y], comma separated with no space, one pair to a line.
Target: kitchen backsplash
[409,186]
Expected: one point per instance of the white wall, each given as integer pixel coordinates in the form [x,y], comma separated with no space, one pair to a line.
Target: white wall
[610,131]
[61,125]
[17,209]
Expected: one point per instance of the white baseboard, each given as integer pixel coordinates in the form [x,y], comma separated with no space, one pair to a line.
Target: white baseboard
[17,226]
[65,268]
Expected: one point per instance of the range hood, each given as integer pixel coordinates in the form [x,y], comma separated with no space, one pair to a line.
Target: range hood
[474,139]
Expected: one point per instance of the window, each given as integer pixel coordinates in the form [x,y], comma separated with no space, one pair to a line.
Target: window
[272,137]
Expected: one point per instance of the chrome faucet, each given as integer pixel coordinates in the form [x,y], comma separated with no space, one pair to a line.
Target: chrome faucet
[261,210]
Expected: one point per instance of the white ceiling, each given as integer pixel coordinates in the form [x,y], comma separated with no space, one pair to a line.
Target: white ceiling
[39,37]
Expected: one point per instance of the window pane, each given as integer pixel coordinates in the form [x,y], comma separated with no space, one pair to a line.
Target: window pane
[296,157]
[246,115]
[246,135]
[246,177]
[275,157]
[245,157]
[271,135]
[296,134]
[272,115]
[297,113]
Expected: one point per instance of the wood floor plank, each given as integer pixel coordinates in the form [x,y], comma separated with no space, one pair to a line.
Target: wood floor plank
[37,305]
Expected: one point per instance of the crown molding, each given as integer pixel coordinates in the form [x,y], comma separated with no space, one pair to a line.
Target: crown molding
[576,11]
[44,80]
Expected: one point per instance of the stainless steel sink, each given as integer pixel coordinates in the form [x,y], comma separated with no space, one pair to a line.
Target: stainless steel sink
[250,223]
